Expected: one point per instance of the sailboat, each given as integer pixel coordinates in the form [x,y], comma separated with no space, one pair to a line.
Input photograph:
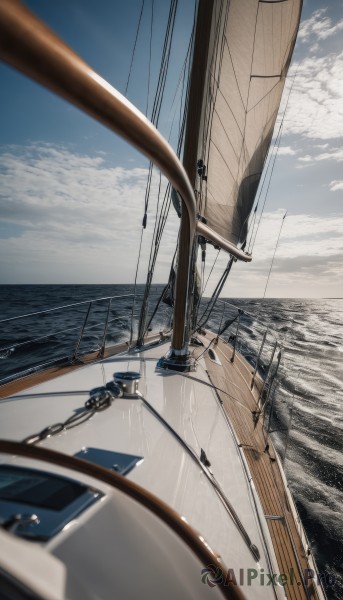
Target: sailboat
[146,468]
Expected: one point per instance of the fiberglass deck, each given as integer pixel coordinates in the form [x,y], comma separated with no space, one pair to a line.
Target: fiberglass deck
[240,403]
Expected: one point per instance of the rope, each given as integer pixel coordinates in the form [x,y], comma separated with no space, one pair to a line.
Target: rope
[273,160]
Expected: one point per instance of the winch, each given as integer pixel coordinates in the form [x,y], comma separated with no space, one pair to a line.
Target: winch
[128,381]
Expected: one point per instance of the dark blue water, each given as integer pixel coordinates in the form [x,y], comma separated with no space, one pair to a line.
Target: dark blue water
[308,388]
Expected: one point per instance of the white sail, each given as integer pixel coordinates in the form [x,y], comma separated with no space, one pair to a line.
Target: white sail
[250,44]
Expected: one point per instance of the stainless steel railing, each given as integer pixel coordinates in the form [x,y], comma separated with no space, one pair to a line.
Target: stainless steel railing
[31,47]
[65,333]
[251,336]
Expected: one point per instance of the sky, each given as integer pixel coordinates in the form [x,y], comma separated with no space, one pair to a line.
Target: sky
[72,193]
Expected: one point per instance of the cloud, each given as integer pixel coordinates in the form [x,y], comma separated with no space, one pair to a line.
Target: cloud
[314,49]
[316,103]
[334,154]
[77,219]
[286,151]
[302,235]
[319,26]
[335,185]
[308,260]
[77,212]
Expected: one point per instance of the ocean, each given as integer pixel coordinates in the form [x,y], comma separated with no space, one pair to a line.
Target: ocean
[305,405]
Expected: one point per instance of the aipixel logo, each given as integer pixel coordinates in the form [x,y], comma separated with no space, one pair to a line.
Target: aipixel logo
[213,575]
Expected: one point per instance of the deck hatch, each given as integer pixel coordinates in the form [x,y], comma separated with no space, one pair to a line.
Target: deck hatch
[114,461]
[53,499]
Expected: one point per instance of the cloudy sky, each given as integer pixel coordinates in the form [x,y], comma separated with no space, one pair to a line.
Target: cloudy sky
[72,193]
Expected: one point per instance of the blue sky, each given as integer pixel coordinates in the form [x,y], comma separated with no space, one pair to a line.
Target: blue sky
[72,193]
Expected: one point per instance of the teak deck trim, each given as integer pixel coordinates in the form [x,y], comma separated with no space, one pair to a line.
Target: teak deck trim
[27,381]
[239,403]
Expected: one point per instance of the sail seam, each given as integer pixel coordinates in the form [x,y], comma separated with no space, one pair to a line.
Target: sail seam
[226,133]
[264,97]
[272,159]
[243,150]
[227,204]
[218,49]
[229,107]
[222,157]
[266,76]
[233,68]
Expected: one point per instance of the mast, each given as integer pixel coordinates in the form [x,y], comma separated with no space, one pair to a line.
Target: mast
[242,53]
[197,85]
[185,269]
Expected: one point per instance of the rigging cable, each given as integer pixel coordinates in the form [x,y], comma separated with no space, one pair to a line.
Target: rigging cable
[134,48]
[271,264]
[184,76]
[161,220]
[213,300]
[163,294]
[210,273]
[150,46]
[273,159]
[264,178]
[154,118]
[160,223]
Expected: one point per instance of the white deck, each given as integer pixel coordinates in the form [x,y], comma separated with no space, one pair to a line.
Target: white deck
[189,405]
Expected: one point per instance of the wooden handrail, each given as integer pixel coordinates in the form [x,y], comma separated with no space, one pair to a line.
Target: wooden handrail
[133,490]
[31,47]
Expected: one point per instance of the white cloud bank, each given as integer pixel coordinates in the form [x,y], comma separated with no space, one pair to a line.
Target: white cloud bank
[286,151]
[319,27]
[335,154]
[316,104]
[308,260]
[73,218]
[335,186]
[76,219]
